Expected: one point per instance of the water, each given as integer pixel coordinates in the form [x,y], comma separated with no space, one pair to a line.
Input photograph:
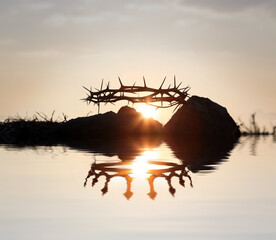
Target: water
[229,191]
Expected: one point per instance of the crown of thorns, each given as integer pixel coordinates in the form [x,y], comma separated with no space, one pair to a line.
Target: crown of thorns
[157,97]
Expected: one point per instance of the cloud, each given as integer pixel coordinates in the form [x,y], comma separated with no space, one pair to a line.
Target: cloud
[39,6]
[230,6]
[150,6]
[61,20]
[200,25]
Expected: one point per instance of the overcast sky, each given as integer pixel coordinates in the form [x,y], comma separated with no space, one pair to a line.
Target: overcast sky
[223,49]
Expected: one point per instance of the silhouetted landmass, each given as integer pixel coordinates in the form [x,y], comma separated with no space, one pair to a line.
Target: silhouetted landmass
[199,117]
[29,132]
[127,122]
[202,118]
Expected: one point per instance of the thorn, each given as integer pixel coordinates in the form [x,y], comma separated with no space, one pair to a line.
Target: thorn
[179,85]
[174,79]
[144,81]
[120,82]
[102,85]
[162,83]
[107,86]
[86,89]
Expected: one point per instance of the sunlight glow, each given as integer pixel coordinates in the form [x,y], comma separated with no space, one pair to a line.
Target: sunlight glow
[147,111]
[140,165]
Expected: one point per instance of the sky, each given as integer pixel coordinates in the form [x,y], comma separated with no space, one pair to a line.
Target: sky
[223,49]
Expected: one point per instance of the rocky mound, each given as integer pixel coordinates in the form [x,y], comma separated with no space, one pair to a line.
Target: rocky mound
[126,122]
[201,117]
[198,118]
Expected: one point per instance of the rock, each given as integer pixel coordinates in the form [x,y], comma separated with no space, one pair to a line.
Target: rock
[201,117]
[100,124]
[126,122]
[132,122]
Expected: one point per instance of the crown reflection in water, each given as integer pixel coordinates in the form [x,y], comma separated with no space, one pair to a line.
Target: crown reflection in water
[139,168]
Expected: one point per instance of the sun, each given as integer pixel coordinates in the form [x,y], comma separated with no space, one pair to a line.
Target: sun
[147,111]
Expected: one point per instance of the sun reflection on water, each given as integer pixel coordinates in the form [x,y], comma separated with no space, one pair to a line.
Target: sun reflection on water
[140,166]
[147,167]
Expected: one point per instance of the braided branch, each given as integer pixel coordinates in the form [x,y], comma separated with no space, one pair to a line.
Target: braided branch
[171,96]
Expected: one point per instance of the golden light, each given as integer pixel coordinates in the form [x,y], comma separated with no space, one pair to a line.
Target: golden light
[147,111]
[140,165]
[140,168]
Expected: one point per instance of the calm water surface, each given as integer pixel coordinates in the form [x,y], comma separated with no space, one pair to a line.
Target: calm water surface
[142,189]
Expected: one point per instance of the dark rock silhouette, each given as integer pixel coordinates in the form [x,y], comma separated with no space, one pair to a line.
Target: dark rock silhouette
[126,122]
[201,117]
[198,118]
[131,121]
